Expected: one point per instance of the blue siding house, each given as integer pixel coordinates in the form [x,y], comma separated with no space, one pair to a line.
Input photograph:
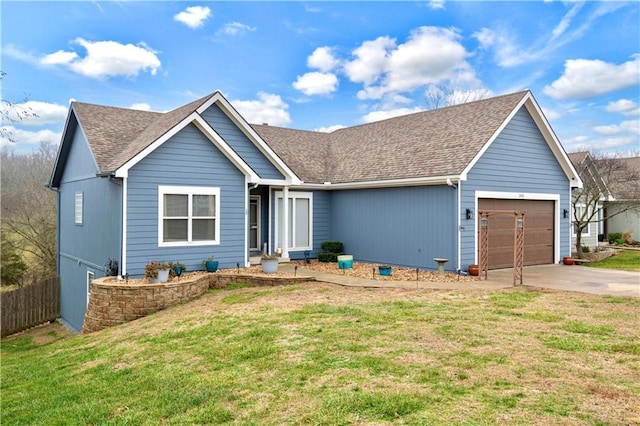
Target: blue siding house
[200,181]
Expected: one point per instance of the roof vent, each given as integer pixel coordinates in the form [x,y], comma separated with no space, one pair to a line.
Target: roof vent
[265,124]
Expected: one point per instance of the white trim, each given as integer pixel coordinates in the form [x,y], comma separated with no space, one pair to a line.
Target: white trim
[123,263]
[257,198]
[251,134]
[190,191]
[550,138]
[522,196]
[270,239]
[246,222]
[391,183]
[285,221]
[212,135]
[292,195]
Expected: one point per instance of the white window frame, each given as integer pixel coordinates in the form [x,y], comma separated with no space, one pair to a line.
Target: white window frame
[78,208]
[90,277]
[580,208]
[293,195]
[190,191]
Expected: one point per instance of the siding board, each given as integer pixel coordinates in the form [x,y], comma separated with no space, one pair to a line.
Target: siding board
[518,161]
[228,130]
[187,159]
[399,226]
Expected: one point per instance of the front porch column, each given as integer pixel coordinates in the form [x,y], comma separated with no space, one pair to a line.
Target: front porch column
[285,222]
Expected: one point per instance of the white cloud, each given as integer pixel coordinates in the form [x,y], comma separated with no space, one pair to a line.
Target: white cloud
[38,113]
[106,59]
[322,59]
[235,28]
[383,115]
[370,61]
[566,21]
[268,108]
[26,137]
[625,107]
[612,129]
[551,114]
[316,83]
[431,55]
[330,129]
[141,106]
[585,78]
[193,16]
[507,52]
[436,4]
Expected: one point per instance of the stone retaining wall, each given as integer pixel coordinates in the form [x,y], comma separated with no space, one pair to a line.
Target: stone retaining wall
[112,303]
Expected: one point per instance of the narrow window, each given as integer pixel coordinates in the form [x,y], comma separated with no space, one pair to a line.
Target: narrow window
[78,208]
[300,228]
[90,276]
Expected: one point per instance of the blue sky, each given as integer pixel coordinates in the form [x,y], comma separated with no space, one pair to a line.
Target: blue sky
[324,65]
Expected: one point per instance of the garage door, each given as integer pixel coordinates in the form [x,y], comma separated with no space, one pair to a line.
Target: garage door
[538,231]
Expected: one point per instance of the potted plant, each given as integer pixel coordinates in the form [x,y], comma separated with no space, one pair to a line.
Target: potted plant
[177,268]
[157,272]
[568,260]
[473,270]
[384,270]
[269,263]
[210,264]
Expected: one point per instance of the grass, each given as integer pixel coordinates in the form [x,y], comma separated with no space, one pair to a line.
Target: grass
[319,354]
[628,260]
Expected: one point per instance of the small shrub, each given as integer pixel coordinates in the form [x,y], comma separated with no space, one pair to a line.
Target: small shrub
[327,257]
[620,241]
[586,249]
[614,236]
[331,246]
[627,236]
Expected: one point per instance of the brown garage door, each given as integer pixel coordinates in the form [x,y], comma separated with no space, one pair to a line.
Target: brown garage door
[538,231]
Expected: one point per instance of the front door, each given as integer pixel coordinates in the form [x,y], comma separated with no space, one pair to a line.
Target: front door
[254,223]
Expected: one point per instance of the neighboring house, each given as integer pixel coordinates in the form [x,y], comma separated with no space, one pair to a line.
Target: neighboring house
[199,181]
[588,201]
[626,192]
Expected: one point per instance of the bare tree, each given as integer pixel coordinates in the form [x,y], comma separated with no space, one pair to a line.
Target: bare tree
[11,112]
[440,96]
[601,176]
[29,208]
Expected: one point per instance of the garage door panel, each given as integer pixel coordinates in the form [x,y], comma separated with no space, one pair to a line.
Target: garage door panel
[538,233]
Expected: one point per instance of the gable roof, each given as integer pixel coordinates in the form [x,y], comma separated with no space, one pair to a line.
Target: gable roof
[430,146]
[120,137]
[442,143]
[627,186]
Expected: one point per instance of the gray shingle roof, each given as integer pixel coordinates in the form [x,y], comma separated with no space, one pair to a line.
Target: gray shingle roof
[433,143]
[627,187]
[116,135]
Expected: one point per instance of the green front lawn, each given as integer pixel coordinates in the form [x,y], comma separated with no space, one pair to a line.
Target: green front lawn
[628,260]
[322,354]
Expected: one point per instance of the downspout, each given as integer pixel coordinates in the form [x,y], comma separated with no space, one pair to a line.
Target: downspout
[123,261]
[459,228]
[285,222]
[246,219]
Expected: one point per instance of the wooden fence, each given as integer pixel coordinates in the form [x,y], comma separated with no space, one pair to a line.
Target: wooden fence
[29,306]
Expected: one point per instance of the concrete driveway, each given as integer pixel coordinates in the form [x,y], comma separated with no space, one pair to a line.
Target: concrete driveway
[575,278]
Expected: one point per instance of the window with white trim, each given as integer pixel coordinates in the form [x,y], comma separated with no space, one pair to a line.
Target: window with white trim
[90,277]
[78,208]
[580,215]
[188,215]
[300,230]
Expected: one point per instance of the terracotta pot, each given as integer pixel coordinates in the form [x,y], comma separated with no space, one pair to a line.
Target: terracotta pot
[473,270]
[567,260]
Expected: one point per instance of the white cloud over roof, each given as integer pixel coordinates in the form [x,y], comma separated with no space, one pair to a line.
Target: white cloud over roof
[268,108]
[106,59]
[585,78]
[193,16]
[316,83]
[37,113]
